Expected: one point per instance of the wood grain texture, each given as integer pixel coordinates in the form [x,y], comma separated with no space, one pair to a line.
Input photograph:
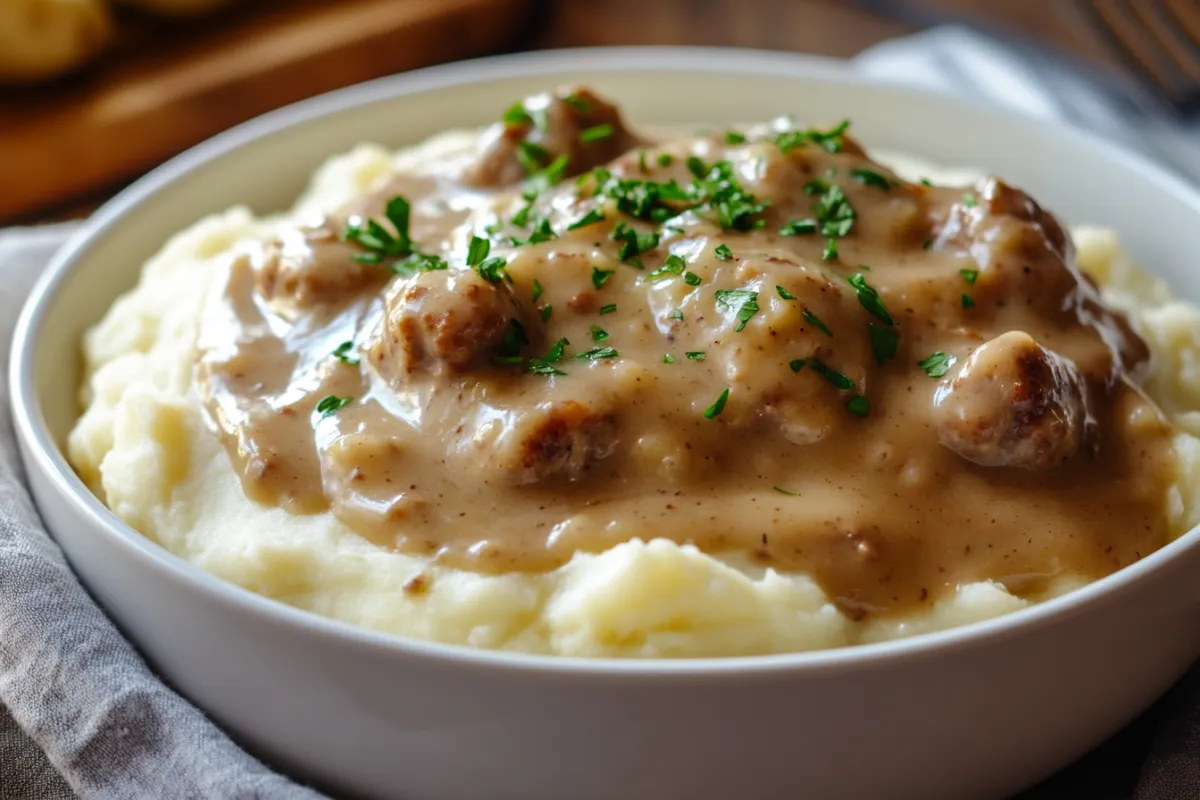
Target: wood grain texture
[167,88]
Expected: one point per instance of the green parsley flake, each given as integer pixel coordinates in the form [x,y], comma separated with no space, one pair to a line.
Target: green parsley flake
[830,140]
[608,309]
[598,333]
[781,490]
[342,353]
[969,200]
[723,252]
[331,403]
[677,314]
[477,251]
[597,353]
[537,289]
[868,298]
[969,275]
[798,364]
[967,302]
[834,213]
[785,294]
[734,137]
[642,168]
[926,182]
[590,218]
[381,244]
[937,364]
[578,103]
[545,364]
[673,266]
[695,355]
[831,251]
[883,342]
[815,321]
[546,311]
[633,244]
[601,276]
[596,133]
[716,408]
[691,279]
[517,115]
[493,269]
[742,303]
[869,177]
[828,373]
[532,156]
[858,406]
[665,159]
[799,227]
[668,359]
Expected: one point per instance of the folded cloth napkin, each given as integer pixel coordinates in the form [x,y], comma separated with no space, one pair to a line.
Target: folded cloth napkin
[80,713]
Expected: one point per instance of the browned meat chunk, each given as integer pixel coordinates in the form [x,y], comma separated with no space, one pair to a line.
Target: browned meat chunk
[1013,403]
[572,121]
[556,440]
[446,320]
[305,267]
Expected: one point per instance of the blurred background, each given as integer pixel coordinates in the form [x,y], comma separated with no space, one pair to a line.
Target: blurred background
[95,92]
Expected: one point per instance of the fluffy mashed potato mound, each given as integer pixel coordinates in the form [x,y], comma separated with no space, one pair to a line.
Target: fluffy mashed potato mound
[143,446]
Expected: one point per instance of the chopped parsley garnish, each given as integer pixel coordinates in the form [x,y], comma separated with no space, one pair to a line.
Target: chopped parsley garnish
[596,353]
[718,190]
[590,218]
[883,342]
[969,200]
[926,182]
[830,253]
[380,243]
[784,293]
[642,168]
[542,232]
[797,364]
[537,289]
[665,159]
[858,406]
[601,276]
[668,359]
[673,266]
[331,403]
[598,333]
[869,177]
[608,309]
[742,303]
[493,269]
[695,355]
[546,311]
[514,337]
[828,373]
[532,156]
[542,179]
[723,252]
[716,408]
[714,189]
[596,133]
[691,279]
[868,298]
[799,227]
[633,244]
[677,314]
[517,115]
[937,364]
[734,137]
[477,251]
[830,140]
[578,103]
[342,353]
[816,186]
[969,275]
[967,302]
[545,364]
[835,213]
[521,218]
[781,490]
[815,321]
[494,228]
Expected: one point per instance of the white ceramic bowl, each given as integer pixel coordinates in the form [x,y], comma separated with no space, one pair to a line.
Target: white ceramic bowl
[980,711]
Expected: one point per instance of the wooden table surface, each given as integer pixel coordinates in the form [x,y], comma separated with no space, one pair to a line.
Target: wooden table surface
[840,28]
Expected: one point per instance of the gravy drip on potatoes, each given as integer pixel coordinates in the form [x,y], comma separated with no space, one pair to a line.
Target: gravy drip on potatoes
[964,409]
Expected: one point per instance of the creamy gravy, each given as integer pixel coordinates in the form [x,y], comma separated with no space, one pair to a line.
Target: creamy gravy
[797,439]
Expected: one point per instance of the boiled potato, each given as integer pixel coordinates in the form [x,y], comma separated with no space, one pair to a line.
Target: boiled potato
[43,38]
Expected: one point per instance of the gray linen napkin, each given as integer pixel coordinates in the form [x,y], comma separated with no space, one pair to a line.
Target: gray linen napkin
[83,699]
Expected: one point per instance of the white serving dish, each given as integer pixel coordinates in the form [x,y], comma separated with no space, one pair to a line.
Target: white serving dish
[980,711]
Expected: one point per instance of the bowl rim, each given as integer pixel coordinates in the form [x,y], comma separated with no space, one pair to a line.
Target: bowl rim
[41,452]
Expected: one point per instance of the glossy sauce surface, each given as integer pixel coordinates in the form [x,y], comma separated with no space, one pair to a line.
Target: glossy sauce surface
[943,399]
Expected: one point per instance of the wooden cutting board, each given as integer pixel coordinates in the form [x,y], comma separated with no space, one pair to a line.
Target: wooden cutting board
[163,87]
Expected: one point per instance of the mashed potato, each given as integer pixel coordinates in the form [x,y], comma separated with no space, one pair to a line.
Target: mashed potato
[143,446]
